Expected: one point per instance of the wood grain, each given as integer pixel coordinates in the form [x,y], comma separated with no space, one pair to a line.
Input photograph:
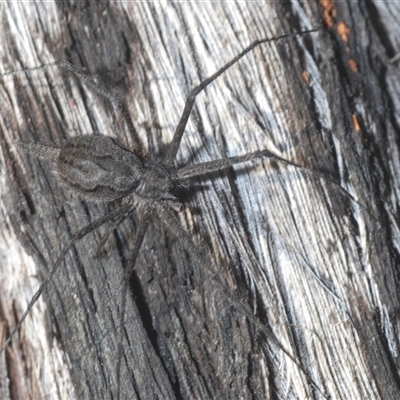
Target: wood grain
[313,267]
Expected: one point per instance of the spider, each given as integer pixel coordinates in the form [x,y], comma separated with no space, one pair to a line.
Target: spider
[101,169]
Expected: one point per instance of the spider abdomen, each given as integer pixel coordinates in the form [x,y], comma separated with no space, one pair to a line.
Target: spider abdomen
[99,167]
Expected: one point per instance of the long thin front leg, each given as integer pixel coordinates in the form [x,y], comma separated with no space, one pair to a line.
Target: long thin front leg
[80,234]
[192,171]
[202,260]
[176,140]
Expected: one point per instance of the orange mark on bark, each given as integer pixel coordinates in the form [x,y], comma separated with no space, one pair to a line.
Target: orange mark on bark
[329,12]
[343,30]
[356,123]
[353,65]
[306,76]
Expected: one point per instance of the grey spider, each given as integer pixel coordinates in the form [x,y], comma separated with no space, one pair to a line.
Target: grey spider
[100,168]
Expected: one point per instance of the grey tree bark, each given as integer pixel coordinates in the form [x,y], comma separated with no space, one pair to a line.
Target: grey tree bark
[312,265]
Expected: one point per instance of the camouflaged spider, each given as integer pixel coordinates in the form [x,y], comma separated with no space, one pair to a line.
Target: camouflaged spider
[100,168]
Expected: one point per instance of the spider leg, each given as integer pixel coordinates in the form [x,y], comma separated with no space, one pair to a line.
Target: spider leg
[176,140]
[112,98]
[202,260]
[80,234]
[192,171]
[130,264]
[110,228]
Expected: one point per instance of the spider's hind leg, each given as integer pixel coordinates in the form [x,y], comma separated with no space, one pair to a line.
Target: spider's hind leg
[144,221]
[112,98]
[212,278]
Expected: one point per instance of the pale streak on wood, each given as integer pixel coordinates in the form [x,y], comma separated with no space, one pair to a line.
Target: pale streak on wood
[317,282]
[40,366]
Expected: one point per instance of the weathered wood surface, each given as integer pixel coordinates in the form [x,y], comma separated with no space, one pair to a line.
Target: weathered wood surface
[311,264]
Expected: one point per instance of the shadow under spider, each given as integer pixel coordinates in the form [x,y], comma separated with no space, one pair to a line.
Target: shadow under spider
[101,169]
